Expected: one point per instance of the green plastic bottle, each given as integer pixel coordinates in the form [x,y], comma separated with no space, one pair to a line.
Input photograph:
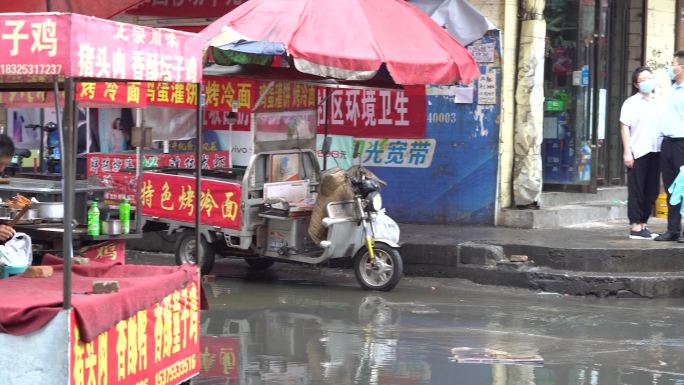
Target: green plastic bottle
[125,215]
[93,219]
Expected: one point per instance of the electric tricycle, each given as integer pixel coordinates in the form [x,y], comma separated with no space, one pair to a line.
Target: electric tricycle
[280,208]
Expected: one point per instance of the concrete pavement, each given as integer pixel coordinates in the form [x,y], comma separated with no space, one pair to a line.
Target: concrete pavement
[590,259]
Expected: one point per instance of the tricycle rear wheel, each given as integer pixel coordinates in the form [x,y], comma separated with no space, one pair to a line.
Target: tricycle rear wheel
[258,263]
[384,274]
[186,252]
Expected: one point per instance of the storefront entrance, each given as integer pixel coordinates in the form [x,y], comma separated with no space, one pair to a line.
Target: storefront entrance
[586,80]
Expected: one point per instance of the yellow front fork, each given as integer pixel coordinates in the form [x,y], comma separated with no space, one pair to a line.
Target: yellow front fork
[369,246]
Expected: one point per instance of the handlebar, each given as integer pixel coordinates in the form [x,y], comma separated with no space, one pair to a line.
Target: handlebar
[49,127]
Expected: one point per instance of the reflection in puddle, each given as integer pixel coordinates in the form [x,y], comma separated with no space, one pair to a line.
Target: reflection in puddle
[265,333]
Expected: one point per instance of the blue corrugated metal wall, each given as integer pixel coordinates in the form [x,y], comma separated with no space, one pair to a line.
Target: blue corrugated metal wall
[461,184]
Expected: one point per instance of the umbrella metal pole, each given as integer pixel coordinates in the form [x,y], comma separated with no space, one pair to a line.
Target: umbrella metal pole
[198,177]
[68,163]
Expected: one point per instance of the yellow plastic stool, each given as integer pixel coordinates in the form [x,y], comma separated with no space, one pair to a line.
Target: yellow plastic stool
[661,206]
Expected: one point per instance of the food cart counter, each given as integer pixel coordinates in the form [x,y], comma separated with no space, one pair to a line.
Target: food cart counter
[138,324]
[51,191]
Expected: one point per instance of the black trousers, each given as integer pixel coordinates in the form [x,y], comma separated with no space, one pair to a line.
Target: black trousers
[671,159]
[643,187]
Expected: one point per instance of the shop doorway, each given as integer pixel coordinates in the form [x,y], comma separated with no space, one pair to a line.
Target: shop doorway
[585,84]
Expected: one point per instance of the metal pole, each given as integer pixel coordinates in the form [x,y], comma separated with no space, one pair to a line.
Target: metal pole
[69,165]
[268,89]
[59,129]
[198,176]
[327,119]
[138,170]
[41,146]
[596,101]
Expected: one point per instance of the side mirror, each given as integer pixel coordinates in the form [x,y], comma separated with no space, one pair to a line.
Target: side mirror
[50,127]
[327,143]
[22,153]
[357,150]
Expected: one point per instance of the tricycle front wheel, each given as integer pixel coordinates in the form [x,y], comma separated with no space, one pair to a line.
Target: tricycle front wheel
[384,274]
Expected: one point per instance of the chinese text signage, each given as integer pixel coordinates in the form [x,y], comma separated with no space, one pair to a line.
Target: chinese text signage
[108,49]
[374,113]
[156,346]
[109,252]
[115,93]
[220,357]
[411,153]
[173,197]
[81,46]
[185,8]
[114,170]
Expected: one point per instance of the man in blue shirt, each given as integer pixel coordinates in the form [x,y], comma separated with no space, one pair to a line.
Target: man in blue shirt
[672,152]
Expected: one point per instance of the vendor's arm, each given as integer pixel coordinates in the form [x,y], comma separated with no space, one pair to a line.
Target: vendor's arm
[6,232]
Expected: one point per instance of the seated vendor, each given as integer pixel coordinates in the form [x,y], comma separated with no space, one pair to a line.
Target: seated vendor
[6,154]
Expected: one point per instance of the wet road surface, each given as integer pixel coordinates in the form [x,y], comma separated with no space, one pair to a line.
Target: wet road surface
[292,325]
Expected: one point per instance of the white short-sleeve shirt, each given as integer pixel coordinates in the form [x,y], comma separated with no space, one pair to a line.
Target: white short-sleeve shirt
[642,115]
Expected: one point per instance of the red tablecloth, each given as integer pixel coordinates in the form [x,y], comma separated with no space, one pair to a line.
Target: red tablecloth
[27,304]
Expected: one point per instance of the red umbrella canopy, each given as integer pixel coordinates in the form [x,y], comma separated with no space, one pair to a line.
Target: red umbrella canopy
[103,9]
[348,40]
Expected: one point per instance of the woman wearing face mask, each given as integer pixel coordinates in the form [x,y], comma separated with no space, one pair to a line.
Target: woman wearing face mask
[641,142]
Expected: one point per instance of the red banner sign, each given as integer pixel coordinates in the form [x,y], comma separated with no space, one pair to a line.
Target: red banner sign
[105,163]
[110,169]
[220,120]
[107,49]
[185,8]
[34,44]
[178,95]
[81,46]
[375,113]
[158,345]
[173,197]
[220,357]
[129,94]
[29,99]
[109,252]
[221,93]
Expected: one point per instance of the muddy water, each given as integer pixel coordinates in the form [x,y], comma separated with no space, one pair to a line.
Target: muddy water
[311,328]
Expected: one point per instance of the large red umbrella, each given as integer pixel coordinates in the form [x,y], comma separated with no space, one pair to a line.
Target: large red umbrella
[103,9]
[348,40]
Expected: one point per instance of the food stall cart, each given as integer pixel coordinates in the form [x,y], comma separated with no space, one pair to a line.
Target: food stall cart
[54,329]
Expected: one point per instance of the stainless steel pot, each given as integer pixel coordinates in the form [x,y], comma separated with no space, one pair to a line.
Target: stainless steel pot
[111,227]
[49,211]
[30,214]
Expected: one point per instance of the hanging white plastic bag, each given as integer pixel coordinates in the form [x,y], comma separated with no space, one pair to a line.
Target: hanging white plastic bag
[385,227]
[17,252]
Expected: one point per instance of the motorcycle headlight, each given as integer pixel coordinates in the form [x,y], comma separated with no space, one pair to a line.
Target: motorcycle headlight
[375,201]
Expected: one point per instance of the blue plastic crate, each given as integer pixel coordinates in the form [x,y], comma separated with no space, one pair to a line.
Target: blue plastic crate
[553,151]
[553,173]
